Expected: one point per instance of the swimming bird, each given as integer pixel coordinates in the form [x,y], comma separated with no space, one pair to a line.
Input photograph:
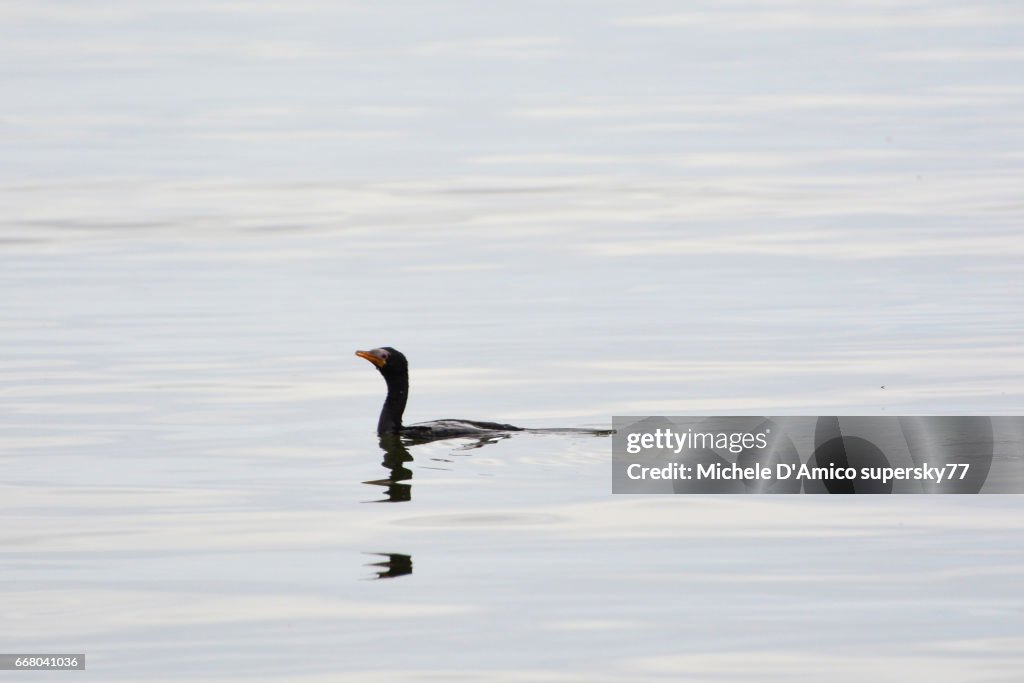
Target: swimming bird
[395,369]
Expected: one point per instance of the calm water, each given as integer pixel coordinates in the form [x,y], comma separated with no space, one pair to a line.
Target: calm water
[559,212]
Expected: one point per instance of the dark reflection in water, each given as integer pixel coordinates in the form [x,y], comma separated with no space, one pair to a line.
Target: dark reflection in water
[395,457]
[396,454]
[394,565]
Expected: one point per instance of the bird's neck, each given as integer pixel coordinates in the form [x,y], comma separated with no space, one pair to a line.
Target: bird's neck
[390,421]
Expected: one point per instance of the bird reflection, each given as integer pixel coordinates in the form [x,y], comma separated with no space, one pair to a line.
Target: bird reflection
[396,455]
[394,564]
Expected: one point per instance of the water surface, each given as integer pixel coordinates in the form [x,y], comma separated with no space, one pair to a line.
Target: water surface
[559,213]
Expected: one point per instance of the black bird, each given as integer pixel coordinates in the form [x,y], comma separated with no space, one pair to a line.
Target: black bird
[395,369]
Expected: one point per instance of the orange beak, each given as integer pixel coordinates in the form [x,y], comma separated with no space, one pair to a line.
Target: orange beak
[370,356]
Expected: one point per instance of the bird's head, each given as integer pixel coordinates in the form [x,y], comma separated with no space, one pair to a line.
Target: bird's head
[389,361]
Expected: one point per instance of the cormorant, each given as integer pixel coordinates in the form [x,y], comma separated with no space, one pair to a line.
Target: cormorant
[395,369]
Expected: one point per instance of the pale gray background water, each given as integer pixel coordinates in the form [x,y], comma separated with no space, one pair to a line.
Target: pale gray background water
[560,211]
